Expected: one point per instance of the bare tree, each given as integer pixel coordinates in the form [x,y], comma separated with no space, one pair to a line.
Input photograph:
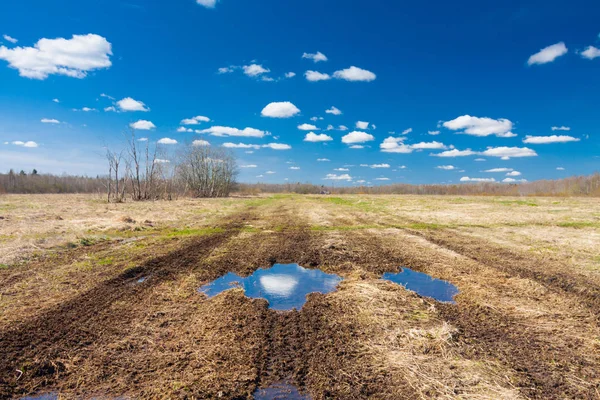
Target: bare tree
[207,171]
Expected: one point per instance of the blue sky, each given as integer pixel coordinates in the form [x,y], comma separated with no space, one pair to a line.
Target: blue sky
[440,84]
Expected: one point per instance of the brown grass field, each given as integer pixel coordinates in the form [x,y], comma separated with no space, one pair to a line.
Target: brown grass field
[74,320]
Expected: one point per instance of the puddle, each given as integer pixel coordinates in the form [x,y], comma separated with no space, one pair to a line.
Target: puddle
[279,391]
[45,396]
[142,279]
[284,286]
[424,285]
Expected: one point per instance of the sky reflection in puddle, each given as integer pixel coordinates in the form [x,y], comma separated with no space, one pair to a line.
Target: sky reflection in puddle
[424,285]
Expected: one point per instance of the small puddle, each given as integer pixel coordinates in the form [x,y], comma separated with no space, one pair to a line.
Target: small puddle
[284,286]
[279,391]
[424,285]
[142,279]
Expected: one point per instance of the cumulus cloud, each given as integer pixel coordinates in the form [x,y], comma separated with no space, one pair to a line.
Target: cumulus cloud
[142,125]
[323,159]
[467,179]
[290,74]
[509,152]
[395,145]
[29,144]
[357,146]
[357,137]
[428,145]
[207,3]
[181,129]
[455,153]
[479,159]
[73,57]
[228,131]
[200,143]
[514,173]
[407,131]
[316,57]
[167,140]
[307,127]
[498,170]
[446,167]
[230,145]
[382,179]
[110,109]
[549,139]
[129,104]
[336,177]
[355,74]
[254,70]
[481,126]
[342,128]
[194,120]
[270,172]
[590,53]
[248,166]
[334,111]
[226,70]
[561,128]
[56,100]
[50,121]
[560,169]
[375,166]
[433,132]
[295,168]
[362,125]
[283,109]
[548,54]
[277,146]
[10,39]
[341,169]
[512,180]
[316,76]
[313,137]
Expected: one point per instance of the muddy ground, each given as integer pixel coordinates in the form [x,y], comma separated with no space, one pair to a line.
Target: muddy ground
[74,320]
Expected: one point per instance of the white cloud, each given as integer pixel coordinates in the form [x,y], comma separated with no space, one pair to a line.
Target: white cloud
[357,146]
[107,96]
[307,127]
[161,161]
[194,120]
[341,169]
[446,167]
[110,109]
[230,145]
[428,145]
[336,177]
[73,57]
[129,104]
[548,54]
[10,39]
[479,159]
[330,127]
[560,169]
[342,128]
[29,144]
[561,128]
[316,57]
[255,70]
[455,153]
[334,111]
[167,141]
[323,159]
[407,131]
[357,137]
[591,52]
[260,176]
[142,125]
[50,121]
[362,125]
[514,173]
[509,152]
[313,137]
[295,168]
[143,139]
[85,109]
[249,166]
[355,74]
[549,139]
[481,126]
[290,74]
[182,129]
[467,179]
[360,181]
[283,109]
[374,166]
[402,167]
[277,146]
[270,172]
[316,76]
[207,3]
[498,170]
[382,179]
[226,70]
[228,131]
[433,132]
[395,145]
[200,143]
[56,100]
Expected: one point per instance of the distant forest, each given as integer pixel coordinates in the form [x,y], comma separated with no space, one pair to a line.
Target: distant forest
[34,182]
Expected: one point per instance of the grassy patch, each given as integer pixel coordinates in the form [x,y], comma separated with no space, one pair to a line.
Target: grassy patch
[3,266]
[518,203]
[579,224]
[194,232]
[87,241]
[105,261]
